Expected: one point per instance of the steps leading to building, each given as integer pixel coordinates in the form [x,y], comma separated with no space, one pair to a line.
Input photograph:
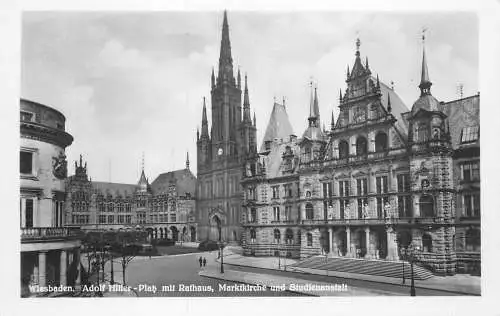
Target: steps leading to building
[365,266]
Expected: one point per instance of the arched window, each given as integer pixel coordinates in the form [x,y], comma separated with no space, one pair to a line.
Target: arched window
[289,236]
[309,211]
[473,240]
[309,240]
[343,149]
[427,206]
[381,142]
[361,146]
[277,236]
[307,153]
[427,243]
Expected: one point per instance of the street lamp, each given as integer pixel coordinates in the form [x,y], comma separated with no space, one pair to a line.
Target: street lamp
[221,245]
[411,253]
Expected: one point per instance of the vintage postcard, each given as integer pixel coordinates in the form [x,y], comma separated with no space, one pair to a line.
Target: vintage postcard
[233,153]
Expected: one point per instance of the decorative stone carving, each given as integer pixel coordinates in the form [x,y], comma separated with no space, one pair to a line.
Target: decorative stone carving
[60,166]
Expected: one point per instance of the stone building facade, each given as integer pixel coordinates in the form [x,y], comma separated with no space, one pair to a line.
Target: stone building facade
[165,208]
[381,179]
[221,152]
[49,251]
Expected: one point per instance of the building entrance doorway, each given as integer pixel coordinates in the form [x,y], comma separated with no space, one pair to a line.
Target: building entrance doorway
[215,228]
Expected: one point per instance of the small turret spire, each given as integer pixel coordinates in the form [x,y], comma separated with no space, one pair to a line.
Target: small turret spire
[358,44]
[246,103]
[389,107]
[340,96]
[187,160]
[239,79]
[378,83]
[348,74]
[81,160]
[425,83]
[366,63]
[213,78]
[333,122]
[254,120]
[204,121]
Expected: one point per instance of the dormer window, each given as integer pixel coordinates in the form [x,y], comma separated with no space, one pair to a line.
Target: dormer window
[27,116]
[470,134]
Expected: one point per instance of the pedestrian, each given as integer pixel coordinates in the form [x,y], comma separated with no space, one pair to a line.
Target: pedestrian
[200,260]
[204,261]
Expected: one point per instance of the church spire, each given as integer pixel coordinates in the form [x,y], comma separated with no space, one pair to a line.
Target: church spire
[225,58]
[425,83]
[204,121]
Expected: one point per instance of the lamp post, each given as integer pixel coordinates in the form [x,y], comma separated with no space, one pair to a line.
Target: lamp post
[221,245]
[412,255]
[403,257]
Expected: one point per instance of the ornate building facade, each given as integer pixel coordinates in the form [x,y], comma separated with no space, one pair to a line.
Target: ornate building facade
[381,179]
[49,251]
[221,152]
[165,208]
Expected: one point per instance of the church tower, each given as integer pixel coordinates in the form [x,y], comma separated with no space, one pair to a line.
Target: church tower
[431,172]
[222,152]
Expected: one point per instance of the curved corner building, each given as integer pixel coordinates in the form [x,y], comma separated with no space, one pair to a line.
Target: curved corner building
[49,251]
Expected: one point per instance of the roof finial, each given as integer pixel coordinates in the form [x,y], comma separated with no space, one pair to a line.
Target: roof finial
[358,44]
[80,160]
[187,160]
[142,161]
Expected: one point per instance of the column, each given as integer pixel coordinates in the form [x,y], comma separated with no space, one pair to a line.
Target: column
[42,273]
[330,235]
[348,242]
[62,268]
[392,249]
[368,254]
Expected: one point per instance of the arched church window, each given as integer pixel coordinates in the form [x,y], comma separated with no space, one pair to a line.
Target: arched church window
[343,149]
[361,146]
[381,142]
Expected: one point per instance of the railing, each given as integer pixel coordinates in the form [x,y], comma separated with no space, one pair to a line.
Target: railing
[37,233]
[284,222]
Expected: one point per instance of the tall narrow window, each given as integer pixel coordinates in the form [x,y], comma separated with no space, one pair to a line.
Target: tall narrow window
[381,142]
[276,213]
[362,186]
[29,213]
[403,182]
[309,211]
[343,149]
[309,240]
[26,162]
[382,185]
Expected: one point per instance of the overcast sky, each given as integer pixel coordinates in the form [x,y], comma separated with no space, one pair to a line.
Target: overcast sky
[133,82]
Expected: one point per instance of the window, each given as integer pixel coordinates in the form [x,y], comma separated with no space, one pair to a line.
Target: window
[26,162]
[111,219]
[473,240]
[251,194]
[253,236]
[470,171]
[382,184]
[426,206]
[289,236]
[28,213]
[309,211]
[128,219]
[403,182]
[110,207]
[173,218]
[361,146]
[381,142]
[470,134]
[102,219]
[276,213]
[404,206]
[253,215]
[344,205]
[361,207]
[327,189]
[288,190]
[121,219]
[27,116]
[343,149]
[276,192]
[362,186]
[344,188]
[421,132]
[427,243]
[277,236]
[288,213]
[309,240]
[101,207]
[381,209]
[471,205]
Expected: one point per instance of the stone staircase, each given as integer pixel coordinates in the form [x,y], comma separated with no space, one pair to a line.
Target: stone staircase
[365,266]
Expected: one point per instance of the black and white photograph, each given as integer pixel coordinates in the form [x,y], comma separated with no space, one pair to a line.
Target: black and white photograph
[231,153]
